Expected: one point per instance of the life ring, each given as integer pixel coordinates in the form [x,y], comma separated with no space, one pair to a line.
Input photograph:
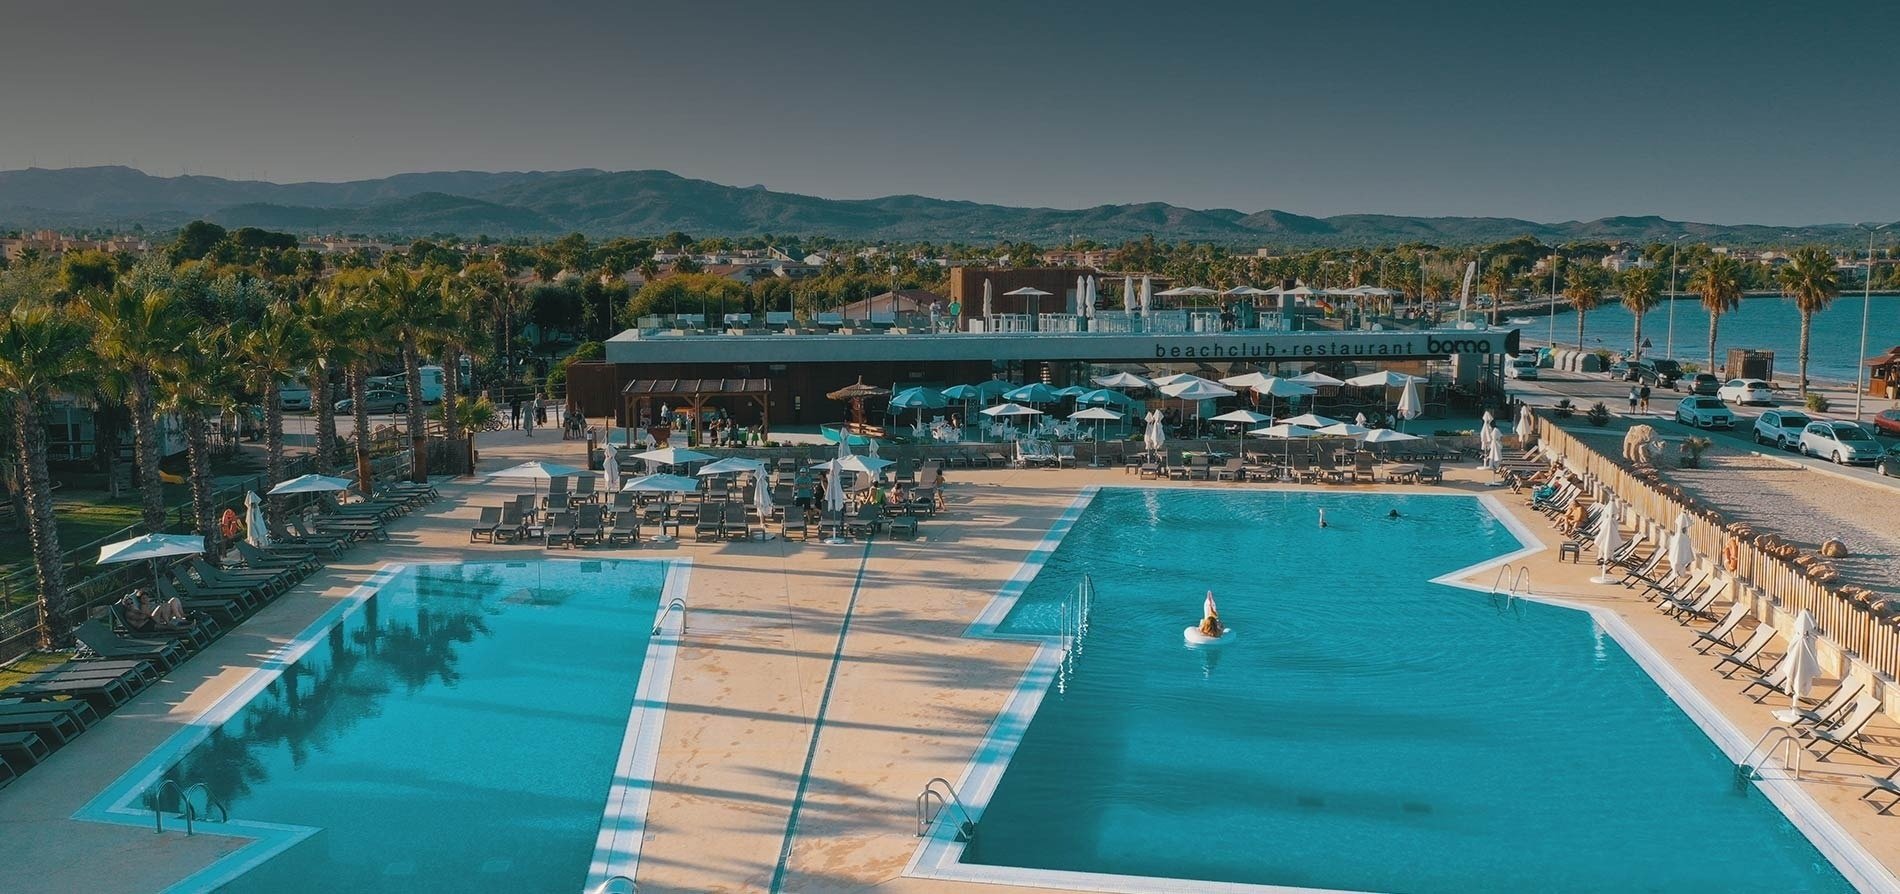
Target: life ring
[1195,637]
[1732,554]
[228,524]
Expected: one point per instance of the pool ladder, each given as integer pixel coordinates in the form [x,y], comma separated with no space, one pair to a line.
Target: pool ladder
[1779,736]
[607,887]
[1506,599]
[939,795]
[677,603]
[188,811]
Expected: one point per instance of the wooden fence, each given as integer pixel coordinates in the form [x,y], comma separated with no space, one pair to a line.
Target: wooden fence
[1848,621]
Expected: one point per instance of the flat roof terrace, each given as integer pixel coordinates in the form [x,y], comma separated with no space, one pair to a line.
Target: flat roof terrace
[678,346]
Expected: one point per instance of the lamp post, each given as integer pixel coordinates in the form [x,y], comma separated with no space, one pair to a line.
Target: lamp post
[1555,259]
[1669,344]
[1866,305]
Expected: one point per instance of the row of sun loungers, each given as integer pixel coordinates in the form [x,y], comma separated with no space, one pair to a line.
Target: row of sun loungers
[112,662]
[1302,468]
[1839,721]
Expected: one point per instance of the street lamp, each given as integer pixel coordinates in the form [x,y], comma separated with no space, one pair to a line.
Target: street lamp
[1669,344]
[1866,304]
[1555,258]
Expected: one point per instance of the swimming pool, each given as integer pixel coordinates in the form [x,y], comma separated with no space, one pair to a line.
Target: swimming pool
[1367,730]
[466,727]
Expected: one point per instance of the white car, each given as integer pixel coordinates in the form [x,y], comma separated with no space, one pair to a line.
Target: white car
[293,397]
[1523,366]
[1704,412]
[1842,442]
[1747,391]
[1781,428]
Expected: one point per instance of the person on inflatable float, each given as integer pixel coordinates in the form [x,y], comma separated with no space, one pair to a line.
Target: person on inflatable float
[1210,620]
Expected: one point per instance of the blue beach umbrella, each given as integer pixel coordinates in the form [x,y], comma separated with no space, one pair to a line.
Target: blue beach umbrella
[919,399]
[993,388]
[1106,397]
[1033,393]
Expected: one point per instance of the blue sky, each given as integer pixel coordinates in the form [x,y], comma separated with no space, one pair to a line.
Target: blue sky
[1737,112]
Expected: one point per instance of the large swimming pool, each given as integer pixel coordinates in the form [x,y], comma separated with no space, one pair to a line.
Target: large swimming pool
[458,727]
[1367,730]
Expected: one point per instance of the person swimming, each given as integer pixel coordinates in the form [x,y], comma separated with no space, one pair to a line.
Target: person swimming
[1393,514]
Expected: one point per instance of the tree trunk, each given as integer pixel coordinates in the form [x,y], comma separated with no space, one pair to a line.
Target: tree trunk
[107,425]
[1807,322]
[29,431]
[273,442]
[1715,321]
[451,392]
[418,434]
[319,385]
[198,451]
[145,444]
[359,407]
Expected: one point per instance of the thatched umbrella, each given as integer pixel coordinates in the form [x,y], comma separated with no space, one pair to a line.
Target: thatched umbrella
[855,394]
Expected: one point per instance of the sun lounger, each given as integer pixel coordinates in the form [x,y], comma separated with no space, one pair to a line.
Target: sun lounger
[98,640]
[1692,601]
[710,525]
[199,632]
[1774,682]
[1647,569]
[1718,635]
[104,689]
[1232,470]
[904,526]
[584,491]
[587,525]
[227,611]
[626,528]
[559,531]
[1844,694]
[302,562]
[1888,785]
[867,522]
[56,722]
[485,527]
[831,524]
[249,597]
[1747,654]
[23,750]
[275,580]
[1846,733]
[290,534]
[737,524]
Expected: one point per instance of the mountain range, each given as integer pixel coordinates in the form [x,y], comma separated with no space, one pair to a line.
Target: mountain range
[641,203]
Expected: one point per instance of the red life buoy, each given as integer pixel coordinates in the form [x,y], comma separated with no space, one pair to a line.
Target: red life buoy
[228,524]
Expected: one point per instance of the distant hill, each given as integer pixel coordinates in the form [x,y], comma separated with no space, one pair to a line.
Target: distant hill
[612,203]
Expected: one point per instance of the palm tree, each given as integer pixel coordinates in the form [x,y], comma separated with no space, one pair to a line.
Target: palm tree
[412,303]
[1639,286]
[362,333]
[135,326]
[323,314]
[1810,279]
[273,349]
[470,416]
[202,379]
[1719,282]
[1584,294]
[1497,278]
[43,352]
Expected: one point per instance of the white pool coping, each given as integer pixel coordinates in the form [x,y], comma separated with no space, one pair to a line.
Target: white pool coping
[939,856]
[623,821]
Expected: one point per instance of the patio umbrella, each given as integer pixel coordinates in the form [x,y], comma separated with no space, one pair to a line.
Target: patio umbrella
[256,530]
[1195,388]
[1122,380]
[665,456]
[1147,295]
[1316,379]
[151,547]
[1285,432]
[1497,453]
[311,484]
[1173,378]
[538,471]
[1310,420]
[731,465]
[661,484]
[1010,409]
[1409,405]
[612,470]
[920,399]
[1155,436]
[1245,417]
[1681,547]
[1345,430]
[1609,540]
[962,392]
[762,500]
[1103,397]
[993,388]
[1487,435]
[1388,435]
[1128,294]
[854,394]
[1247,380]
[1526,426]
[1071,391]
[988,289]
[1360,420]
[1033,393]
[1801,665]
[1098,415]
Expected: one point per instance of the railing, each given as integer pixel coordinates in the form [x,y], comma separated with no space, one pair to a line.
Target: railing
[938,795]
[186,809]
[609,886]
[1783,737]
[1849,623]
[678,604]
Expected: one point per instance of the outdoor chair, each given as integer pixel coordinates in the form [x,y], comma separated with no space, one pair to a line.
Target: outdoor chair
[301,561]
[737,523]
[1883,785]
[795,519]
[1694,602]
[1847,733]
[625,530]
[1845,693]
[557,486]
[708,523]
[512,526]
[621,506]
[904,526]
[587,526]
[1065,455]
[868,520]
[1149,468]
[1746,656]
[529,506]
[1433,471]
[559,531]
[584,490]
[98,640]
[1362,469]
[1719,634]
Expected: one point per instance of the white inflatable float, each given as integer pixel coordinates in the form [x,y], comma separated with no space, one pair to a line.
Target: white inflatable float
[1195,637]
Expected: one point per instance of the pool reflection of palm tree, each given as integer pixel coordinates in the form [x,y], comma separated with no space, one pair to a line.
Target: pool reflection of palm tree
[313,703]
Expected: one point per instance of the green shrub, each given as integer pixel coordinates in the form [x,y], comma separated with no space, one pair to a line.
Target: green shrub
[1817,402]
[1565,409]
[1599,415]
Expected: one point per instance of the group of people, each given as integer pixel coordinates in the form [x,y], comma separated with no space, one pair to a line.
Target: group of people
[1639,398]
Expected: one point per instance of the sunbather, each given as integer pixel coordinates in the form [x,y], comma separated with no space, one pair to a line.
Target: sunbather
[145,614]
[1210,619]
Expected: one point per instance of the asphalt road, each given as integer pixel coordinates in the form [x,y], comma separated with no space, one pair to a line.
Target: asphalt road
[1584,389]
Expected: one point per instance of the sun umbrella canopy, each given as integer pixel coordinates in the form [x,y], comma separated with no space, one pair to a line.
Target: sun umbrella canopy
[1033,393]
[1122,380]
[1029,291]
[1277,387]
[1383,378]
[1345,430]
[1011,410]
[868,465]
[611,470]
[919,399]
[731,465]
[311,484]
[834,493]
[151,546]
[1173,378]
[543,471]
[1316,378]
[1311,420]
[1387,435]
[665,456]
[661,484]
[1609,534]
[1186,291]
[1246,380]
[1155,436]
[1101,413]
[1106,397]
[1197,389]
[963,392]
[1284,431]
[993,388]
[857,391]
[1802,664]
[1243,290]
[1247,417]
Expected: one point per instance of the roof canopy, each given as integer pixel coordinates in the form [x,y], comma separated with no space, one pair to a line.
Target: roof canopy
[708,387]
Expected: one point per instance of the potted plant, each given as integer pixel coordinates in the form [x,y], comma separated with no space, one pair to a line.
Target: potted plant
[1599,415]
[1692,449]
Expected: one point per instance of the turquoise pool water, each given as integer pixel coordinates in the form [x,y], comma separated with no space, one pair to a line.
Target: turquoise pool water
[459,731]
[1367,730]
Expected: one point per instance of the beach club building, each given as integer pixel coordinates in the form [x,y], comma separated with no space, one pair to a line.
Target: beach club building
[780,377]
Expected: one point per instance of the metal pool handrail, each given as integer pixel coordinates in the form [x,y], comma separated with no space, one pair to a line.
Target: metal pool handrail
[677,603]
[1778,736]
[966,830]
[188,811]
[607,886]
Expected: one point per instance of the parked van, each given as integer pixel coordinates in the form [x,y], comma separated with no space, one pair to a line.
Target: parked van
[1522,366]
[432,386]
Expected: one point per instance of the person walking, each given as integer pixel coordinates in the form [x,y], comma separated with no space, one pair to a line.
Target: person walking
[1642,400]
[514,413]
[1635,396]
[527,419]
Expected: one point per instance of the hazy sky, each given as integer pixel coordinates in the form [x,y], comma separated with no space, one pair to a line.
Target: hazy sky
[1778,113]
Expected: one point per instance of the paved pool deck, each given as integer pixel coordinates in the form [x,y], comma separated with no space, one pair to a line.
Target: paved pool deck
[911,697]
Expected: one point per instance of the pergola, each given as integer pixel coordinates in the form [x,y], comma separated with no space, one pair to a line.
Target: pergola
[694,394]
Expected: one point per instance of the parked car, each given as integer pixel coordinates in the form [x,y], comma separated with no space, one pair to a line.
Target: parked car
[1522,366]
[1887,422]
[1781,428]
[377,400]
[293,397]
[1747,391]
[1704,412]
[1700,383]
[1890,463]
[1660,373]
[1841,442]
[1623,371]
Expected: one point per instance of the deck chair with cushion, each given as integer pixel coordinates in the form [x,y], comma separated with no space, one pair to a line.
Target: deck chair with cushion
[584,491]
[867,522]
[23,750]
[485,528]
[98,640]
[710,523]
[1848,732]
[1748,654]
[197,633]
[226,610]
[249,597]
[274,580]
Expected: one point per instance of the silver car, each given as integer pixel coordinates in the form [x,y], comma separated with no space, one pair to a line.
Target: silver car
[1781,428]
